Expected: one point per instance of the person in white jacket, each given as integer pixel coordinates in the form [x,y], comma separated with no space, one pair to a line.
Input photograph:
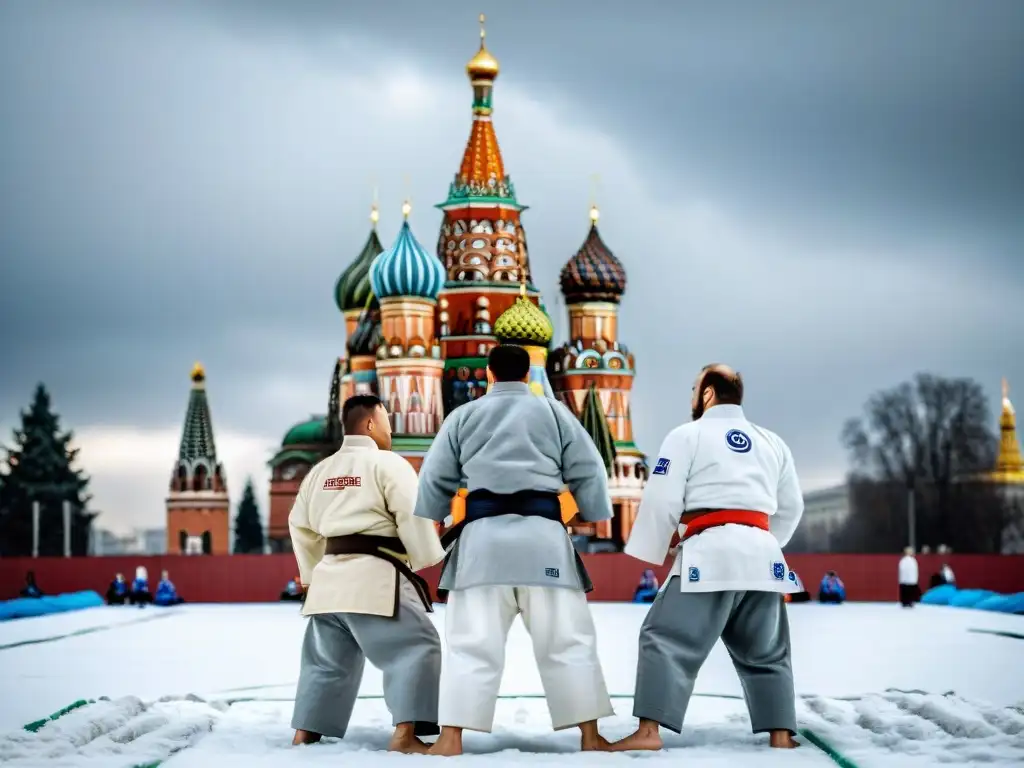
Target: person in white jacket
[358,544]
[909,577]
[731,490]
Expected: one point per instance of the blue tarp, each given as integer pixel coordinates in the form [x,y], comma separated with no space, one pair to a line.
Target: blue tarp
[23,607]
[980,599]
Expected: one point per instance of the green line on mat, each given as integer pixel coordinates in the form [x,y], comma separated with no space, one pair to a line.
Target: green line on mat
[33,727]
[837,757]
[998,632]
[79,632]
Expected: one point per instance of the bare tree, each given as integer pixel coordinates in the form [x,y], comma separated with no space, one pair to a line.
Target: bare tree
[929,437]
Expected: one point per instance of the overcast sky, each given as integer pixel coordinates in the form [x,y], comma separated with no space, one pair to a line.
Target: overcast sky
[827,196]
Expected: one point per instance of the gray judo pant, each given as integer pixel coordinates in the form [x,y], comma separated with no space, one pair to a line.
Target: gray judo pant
[679,632]
[405,648]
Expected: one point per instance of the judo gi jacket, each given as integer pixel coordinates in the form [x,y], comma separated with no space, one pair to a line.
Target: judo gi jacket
[358,490]
[509,441]
[721,462]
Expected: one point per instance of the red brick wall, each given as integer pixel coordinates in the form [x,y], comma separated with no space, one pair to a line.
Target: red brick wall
[260,578]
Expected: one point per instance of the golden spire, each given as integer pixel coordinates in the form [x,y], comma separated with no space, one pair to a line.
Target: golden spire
[595,214]
[483,66]
[198,374]
[406,209]
[374,210]
[1009,463]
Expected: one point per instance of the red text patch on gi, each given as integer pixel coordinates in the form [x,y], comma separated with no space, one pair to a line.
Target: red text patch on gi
[340,483]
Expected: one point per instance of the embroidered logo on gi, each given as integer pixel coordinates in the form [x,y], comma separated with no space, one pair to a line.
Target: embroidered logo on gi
[340,483]
[552,572]
[694,574]
[737,441]
[779,570]
[661,468]
[792,576]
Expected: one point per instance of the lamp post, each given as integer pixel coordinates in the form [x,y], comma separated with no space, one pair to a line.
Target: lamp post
[911,517]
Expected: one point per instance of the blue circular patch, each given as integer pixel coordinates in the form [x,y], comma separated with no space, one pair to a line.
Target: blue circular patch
[737,441]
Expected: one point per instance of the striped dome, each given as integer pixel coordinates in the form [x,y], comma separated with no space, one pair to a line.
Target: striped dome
[406,269]
[352,291]
[593,274]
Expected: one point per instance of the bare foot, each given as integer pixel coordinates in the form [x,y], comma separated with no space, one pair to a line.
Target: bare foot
[305,737]
[408,745]
[448,744]
[646,737]
[782,740]
[591,739]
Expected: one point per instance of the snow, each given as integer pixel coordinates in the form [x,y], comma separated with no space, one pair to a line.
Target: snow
[210,685]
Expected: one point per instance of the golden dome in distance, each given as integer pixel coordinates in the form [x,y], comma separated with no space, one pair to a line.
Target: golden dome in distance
[483,66]
[198,374]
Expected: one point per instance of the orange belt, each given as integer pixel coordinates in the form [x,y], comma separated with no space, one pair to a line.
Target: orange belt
[565,499]
[698,522]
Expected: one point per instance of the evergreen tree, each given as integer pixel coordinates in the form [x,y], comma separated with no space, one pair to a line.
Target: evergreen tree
[248,528]
[40,468]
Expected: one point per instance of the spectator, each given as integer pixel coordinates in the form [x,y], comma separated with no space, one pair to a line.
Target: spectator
[832,589]
[942,577]
[293,592]
[140,594]
[31,589]
[908,577]
[647,590]
[117,592]
[166,594]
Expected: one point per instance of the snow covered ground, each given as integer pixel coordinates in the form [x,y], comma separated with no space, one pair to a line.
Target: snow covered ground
[210,685]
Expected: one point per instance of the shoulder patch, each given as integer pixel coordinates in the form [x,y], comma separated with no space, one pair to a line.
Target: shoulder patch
[779,570]
[661,468]
[737,441]
[694,574]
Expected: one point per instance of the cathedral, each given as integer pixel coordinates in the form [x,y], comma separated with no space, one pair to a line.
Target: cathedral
[419,327]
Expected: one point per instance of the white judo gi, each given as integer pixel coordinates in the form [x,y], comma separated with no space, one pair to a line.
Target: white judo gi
[725,580]
[513,444]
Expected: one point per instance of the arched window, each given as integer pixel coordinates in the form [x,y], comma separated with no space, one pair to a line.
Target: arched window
[183,541]
[207,543]
[201,479]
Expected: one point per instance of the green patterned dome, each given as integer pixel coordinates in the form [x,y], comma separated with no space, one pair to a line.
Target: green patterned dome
[310,432]
[524,323]
[353,291]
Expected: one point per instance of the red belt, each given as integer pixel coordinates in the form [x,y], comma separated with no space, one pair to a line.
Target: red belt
[698,522]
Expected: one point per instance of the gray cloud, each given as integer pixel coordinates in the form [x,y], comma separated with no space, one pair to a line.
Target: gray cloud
[827,196]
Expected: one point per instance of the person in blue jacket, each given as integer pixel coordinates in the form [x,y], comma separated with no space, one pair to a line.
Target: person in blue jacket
[166,594]
[31,589]
[117,592]
[140,594]
[832,589]
[647,589]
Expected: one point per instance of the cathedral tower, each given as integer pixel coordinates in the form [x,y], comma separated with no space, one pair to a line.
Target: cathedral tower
[482,245]
[593,372]
[406,280]
[198,509]
[354,296]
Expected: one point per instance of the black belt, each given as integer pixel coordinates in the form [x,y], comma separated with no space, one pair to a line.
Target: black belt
[482,504]
[377,546]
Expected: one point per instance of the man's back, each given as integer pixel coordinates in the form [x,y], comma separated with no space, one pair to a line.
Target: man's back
[506,442]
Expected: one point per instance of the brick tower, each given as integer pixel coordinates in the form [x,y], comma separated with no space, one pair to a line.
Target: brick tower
[198,509]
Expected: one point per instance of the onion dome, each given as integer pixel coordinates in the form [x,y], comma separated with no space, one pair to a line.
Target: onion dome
[483,66]
[352,291]
[367,335]
[406,269]
[594,273]
[313,431]
[524,323]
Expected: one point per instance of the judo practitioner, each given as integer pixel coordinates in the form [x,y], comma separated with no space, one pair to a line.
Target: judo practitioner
[731,490]
[358,544]
[908,576]
[514,452]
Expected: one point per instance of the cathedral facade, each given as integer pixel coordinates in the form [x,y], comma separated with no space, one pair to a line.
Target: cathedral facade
[419,327]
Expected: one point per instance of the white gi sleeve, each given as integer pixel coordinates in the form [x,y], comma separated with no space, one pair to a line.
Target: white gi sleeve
[664,498]
[790,500]
[398,480]
[307,544]
[440,473]
[583,469]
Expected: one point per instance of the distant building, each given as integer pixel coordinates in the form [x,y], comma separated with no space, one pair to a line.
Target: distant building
[825,512]
[151,541]
[1008,475]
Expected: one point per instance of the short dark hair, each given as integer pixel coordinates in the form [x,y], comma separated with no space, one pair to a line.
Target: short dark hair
[357,408]
[728,388]
[509,362]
